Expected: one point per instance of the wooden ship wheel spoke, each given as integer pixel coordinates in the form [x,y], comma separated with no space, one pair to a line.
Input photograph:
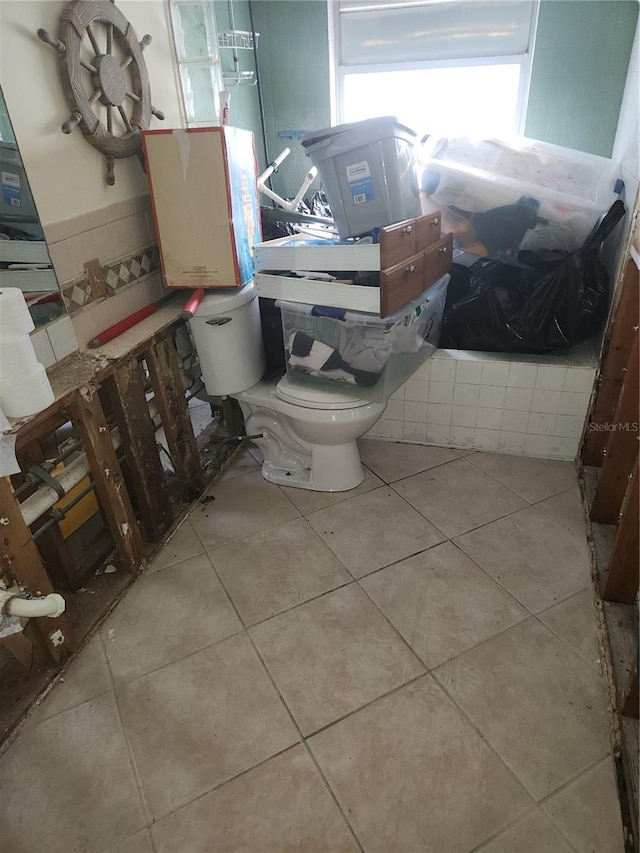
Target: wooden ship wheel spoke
[104,77]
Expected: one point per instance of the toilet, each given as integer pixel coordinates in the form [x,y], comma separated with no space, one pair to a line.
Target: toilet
[308,433]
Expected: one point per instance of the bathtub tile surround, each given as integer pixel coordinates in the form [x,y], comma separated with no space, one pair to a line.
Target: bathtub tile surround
[315,700]
[534,405]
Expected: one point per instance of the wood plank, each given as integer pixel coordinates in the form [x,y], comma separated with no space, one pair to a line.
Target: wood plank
[621,448]
[621,580]
[631,707]
[88,418]
[20,561]
[170,398]
[614,362]
[137,433]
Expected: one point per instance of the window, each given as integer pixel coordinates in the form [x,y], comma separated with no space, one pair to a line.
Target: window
[450,66]
[195,39]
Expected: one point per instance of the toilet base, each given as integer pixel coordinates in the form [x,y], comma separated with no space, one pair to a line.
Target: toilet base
[334,468]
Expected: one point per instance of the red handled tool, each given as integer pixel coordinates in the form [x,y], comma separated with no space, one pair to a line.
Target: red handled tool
[192,303]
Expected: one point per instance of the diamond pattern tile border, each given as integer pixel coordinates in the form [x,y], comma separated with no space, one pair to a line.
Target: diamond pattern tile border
[118,274]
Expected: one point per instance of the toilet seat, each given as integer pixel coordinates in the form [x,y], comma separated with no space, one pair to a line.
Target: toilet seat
[312,397]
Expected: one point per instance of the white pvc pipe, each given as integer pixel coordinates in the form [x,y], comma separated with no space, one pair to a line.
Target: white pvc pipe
[69,477]
[27,608]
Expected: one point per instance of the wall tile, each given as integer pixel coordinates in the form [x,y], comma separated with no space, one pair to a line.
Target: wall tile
[511,442]
[568,426]
[438,413]
[399,394]
[546,401]
[423,373]
[81,249]
[464,416]
[541,423]
[103,243]
[538,445]
[492,396]
[518,399]
[83,327]
[469,372]
[394,410]
[551,378]
[416,391]
[490,419]
[487,439]
[62,261]
[416,412]
[572,403]
[390,429]
[462,436]
[62,338]
[522,375]
[42,347]
[579,379]
[438,433]
[495,374]
[466,395]
[440,392]
[414,431]
[565,448]
[443,369]
[515,421]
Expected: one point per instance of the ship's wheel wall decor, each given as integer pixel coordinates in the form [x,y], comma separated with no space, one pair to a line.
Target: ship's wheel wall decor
[104,78]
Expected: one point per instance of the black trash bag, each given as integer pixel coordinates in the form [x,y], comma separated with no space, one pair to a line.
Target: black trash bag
[557,299]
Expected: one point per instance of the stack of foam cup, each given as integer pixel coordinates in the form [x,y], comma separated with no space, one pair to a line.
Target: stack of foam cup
[24,386]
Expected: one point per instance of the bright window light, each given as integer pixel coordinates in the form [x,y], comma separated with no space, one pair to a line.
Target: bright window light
[477,100]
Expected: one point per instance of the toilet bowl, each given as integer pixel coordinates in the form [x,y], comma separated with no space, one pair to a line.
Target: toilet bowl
[308,432]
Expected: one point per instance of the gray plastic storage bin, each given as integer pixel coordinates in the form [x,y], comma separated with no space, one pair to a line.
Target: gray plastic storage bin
[368,172]
[368,355]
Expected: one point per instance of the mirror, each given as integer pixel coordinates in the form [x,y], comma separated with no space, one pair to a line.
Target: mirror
[24,257]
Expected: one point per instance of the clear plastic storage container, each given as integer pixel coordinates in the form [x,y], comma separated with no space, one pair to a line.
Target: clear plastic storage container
[370,356]
[368,172]
[498,197]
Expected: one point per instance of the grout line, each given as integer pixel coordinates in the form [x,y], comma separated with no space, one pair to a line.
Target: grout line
[134,767]
[369,703]
[302,739]
[597,664]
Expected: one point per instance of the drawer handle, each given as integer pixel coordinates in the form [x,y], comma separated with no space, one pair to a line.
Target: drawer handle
[219,321]
[444,250]
[411,268]
[435,221]
[408,229]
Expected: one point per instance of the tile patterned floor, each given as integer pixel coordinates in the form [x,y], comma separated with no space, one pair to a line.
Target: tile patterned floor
[411,667]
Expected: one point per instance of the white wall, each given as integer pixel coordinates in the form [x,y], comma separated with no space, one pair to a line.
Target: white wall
[65,172]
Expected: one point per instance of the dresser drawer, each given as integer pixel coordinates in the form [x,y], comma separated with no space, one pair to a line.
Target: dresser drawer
[438,259]
[413,275]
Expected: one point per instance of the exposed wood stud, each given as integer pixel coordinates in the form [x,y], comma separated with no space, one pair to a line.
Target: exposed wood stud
[137,433]
[621,580]
[89,420]
[20,561]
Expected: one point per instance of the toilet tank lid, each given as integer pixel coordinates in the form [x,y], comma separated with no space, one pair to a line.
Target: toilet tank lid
[225,299]
[316,397]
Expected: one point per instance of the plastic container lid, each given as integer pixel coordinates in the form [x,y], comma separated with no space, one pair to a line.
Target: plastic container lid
[312,397]
[383,123]
[225,300]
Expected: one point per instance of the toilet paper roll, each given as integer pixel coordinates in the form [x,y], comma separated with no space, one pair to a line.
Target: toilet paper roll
[27,396]
[15,319]
[18,359]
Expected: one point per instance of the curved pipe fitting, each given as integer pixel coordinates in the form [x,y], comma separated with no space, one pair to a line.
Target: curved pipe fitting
[51,605]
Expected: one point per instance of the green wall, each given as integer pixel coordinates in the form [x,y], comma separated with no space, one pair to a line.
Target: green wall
[578,75]
[244,103]
[294,75]
[579,71]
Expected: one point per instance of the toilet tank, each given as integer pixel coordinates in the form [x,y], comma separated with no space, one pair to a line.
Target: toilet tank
[228,339]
